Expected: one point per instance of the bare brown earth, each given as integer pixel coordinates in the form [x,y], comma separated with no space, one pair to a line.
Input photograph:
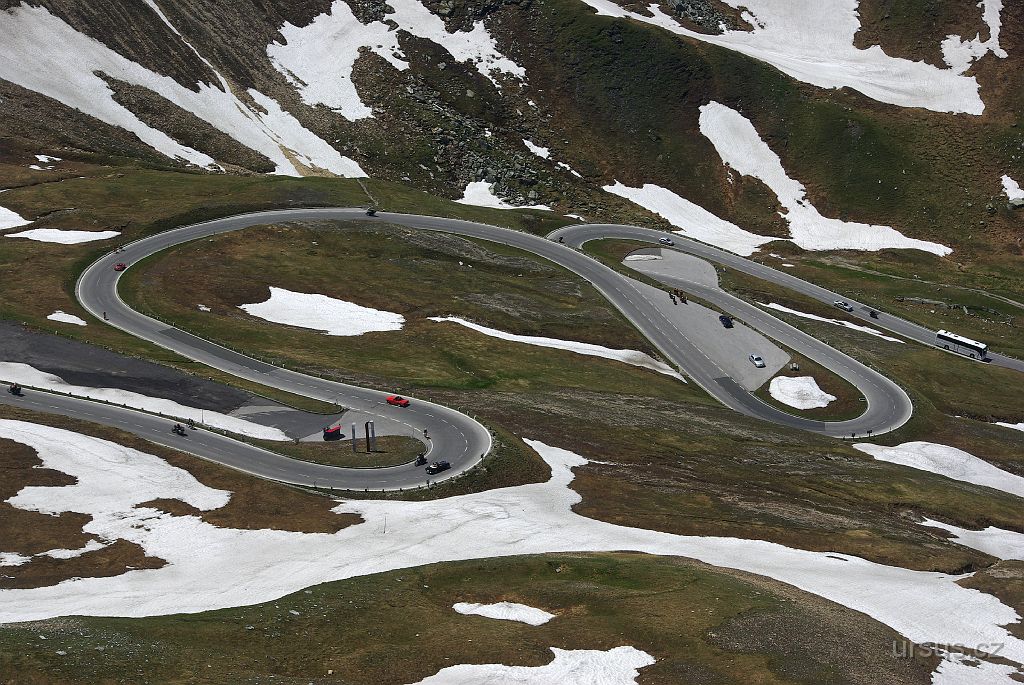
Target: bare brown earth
[31,532]
[914,30]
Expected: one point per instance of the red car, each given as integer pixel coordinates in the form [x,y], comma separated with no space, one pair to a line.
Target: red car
[398,401]
[120,266]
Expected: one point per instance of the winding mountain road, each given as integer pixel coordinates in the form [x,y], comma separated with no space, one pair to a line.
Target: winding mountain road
[455,436]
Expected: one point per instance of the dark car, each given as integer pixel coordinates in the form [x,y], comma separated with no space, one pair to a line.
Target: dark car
[726,321]
[397,401]
[120,266]
[438,467]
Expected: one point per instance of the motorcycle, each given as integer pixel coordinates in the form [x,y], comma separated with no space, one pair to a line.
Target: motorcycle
[420,460]
[178,429]
[15,390]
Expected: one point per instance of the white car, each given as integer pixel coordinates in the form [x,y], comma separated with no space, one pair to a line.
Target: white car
[756,360]
[844,305]
[666,241]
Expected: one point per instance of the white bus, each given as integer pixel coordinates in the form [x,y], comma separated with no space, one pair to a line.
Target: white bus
[961,345]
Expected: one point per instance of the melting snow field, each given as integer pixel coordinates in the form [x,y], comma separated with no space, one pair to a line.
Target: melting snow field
[318,58]
[62,236]
[505,611]
[837,322]
[741,148]
[617,666]
[631,357]
[66,318]
[69,75]
[812,41]
[960,54]
[1002,544]
[210,567]
[801,393]
[10,219]
[695,221]
[323,313]
[481,194]
[947,461]
[30,376]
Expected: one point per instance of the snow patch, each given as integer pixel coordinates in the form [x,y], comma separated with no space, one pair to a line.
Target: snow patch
[693,220]
[322,313]
[563,165]
[947,461]
[69,75]
[62,236]
[90,546]
[318,58]
[1002,544]
[960,54]
[66,318]
[812,41]
[631,357]
[962,669]
[742,149]
[13,559]
[11,219]
[801,393]
[838,322]
[476,46]
[47,159]
[203,307]
[542,152]
[243,567]
[617,666]
[13,372]
[505,611]
[642,258]
[481,194]
[1010,187]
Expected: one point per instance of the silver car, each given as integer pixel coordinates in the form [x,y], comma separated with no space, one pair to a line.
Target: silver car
[843,304]
[756,360]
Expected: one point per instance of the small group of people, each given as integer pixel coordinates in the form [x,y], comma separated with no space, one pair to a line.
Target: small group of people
[180,429]
[677,294]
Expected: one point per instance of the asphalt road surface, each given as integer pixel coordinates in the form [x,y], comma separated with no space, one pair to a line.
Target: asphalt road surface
[576,236]
[454,436]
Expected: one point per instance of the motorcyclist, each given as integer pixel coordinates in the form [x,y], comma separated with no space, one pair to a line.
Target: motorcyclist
[192,424]
[15,389]
[104,316]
